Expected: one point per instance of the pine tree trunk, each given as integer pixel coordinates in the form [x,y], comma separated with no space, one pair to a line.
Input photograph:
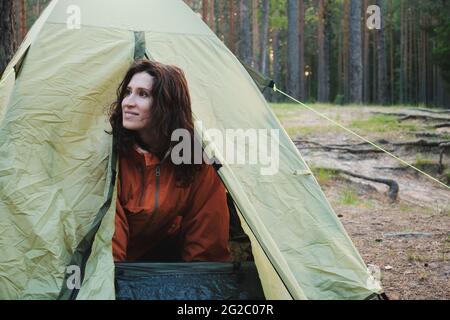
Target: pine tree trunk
[323,91]
[7,32]
[205,11]
[220,21]
[264,37]
[346,50]
[327,48]
[366,52]
[414,56]
[231,37]
[293,45]
[402,54]
[245,41]
[374,68]
[255,34]
[422,63]
[408,56]
[276,47]
[23,19]
[356,77]
[381,54]
[340,68]
[301,51]
[212,16]
[392,87]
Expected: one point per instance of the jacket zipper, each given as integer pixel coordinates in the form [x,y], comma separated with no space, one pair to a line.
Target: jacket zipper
[158,174]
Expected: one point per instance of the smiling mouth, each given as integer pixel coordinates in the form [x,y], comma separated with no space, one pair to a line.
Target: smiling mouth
[131,113]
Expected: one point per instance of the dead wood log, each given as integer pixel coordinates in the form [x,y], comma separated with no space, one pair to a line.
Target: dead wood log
[393,185]
[407,234]
[301,141]
[420,117]
[428,135]
[442,125]
[442,111]
[353,148]
[420,143]
[393,168]
[408,116]
[339,148]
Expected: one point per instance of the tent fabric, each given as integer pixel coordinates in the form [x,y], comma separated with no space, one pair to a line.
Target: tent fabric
[55,157]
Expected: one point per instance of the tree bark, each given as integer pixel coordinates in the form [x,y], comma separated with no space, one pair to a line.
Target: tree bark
[255,34]
[323,88]
[276,47]
[293,45]
[7,32]
[381,54]
[212,16]
[23,19]
[205,11]
[245,41]
[392,87]
[346,50]
[356,78]
[366,52]
[402,53]
[231,37]
[301,51]
[264,37]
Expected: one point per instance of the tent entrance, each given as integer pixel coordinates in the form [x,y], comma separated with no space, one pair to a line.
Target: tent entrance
[187,281]
[238,280]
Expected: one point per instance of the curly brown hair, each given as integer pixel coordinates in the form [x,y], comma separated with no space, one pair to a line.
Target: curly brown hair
[171,110]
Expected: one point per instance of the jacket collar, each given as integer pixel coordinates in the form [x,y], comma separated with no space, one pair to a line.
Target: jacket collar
[145,157]
[148,158]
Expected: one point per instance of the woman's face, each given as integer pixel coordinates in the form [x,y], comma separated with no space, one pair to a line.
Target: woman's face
[137,102]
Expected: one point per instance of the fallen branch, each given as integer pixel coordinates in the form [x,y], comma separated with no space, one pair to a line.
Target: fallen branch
[407,116]
[429,135]
[339,148]
[421,116]
[407,234]
[393,168]
[421,143]
[442,125]
[332,145]
[432,110]
[393,185]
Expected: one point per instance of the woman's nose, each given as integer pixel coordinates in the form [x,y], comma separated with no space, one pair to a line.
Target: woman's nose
[129,101]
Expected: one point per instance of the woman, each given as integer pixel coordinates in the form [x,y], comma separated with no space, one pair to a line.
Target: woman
[165,212]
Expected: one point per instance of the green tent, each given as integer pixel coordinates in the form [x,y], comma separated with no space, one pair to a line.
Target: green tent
[57,171]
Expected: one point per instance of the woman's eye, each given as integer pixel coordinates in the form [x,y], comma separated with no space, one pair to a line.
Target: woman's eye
[127,92]
[143,94]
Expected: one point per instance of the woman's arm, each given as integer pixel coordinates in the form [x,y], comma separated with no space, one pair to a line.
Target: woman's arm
[205,227]
[121,234]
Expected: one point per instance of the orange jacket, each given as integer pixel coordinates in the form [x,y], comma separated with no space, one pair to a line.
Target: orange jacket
[197,215]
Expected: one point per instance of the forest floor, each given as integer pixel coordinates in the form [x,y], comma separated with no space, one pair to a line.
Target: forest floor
[409,238]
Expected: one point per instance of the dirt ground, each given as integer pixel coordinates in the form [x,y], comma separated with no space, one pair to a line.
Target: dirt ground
[409,238]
